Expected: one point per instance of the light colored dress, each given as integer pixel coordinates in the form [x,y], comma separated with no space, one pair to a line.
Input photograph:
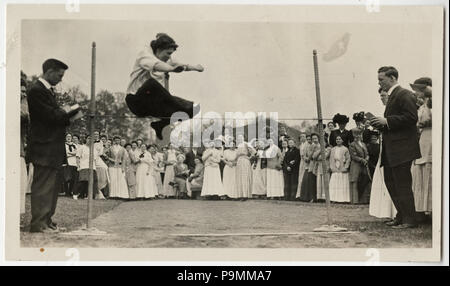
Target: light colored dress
[422,167]
[229,173]
[130,173]
[339,181]
[101,167]
[381,204]
[212,183]
[158,168]
[145,180]
[169,175]
[274,179]
[301,170]
[244,171]
[259,176]
[119,187]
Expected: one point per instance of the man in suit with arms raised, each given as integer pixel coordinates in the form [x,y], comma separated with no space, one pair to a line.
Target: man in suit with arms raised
[47,151]
[400,146]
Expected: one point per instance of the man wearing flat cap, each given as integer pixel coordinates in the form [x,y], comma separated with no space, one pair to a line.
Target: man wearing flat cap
[400,146]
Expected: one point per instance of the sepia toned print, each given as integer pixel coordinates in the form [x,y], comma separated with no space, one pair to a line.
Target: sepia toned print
[280,130]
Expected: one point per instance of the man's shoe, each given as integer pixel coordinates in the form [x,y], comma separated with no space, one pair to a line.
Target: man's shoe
[404,226]
[50,230]
[393,222]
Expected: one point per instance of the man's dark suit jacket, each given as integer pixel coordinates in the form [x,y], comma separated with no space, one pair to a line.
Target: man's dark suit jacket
[400,140]
[292,154]
[47,128]
[346,136]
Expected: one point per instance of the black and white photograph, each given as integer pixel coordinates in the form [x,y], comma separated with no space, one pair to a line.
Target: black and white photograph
[222,132]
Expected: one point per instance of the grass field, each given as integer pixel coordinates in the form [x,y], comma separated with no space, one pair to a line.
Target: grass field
[159,223]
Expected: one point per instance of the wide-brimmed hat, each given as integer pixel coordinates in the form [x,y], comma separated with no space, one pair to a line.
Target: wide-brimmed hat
[421,83]
[340,119]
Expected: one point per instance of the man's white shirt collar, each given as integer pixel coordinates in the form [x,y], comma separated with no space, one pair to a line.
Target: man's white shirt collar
[392,88]
[45,83]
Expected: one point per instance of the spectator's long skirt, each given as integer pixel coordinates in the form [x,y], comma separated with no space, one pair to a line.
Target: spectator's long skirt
[119,187]
[275,183]
[212,183]
[229,182]
[244,177]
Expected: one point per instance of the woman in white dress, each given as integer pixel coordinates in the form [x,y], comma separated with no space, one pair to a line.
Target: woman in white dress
[229,171]
[274,179]
[339,164]
[158,167]
[145,180]
[169,174]
[119,187]
[380,205]
[243,169]
[259,172]
[301,171]
[212,183]
[422,167]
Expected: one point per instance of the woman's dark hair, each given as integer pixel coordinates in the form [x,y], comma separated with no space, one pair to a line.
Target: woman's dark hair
[126,145]
[162,42]
[76,135]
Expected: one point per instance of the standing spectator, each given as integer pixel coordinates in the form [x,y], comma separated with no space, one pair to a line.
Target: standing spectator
[119,188]
[330,127]
[359,169]
[70,170]
[24,121]
[181,174]
[346,136]
[274,179]
[145,181]
[301,171]
[46,149]
[291,165]
[169,175]
[101,167]
[130,171]
[373,148]
[81,188]
[309,182]
[283,136]
[359,120]
[400,146]
[339,165]
[422,167]
[243,168]
[259,174]
[212,184]
[229,171]
[321,176]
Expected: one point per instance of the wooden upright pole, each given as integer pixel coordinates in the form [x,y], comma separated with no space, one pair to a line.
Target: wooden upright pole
[321,137]
[91,143]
